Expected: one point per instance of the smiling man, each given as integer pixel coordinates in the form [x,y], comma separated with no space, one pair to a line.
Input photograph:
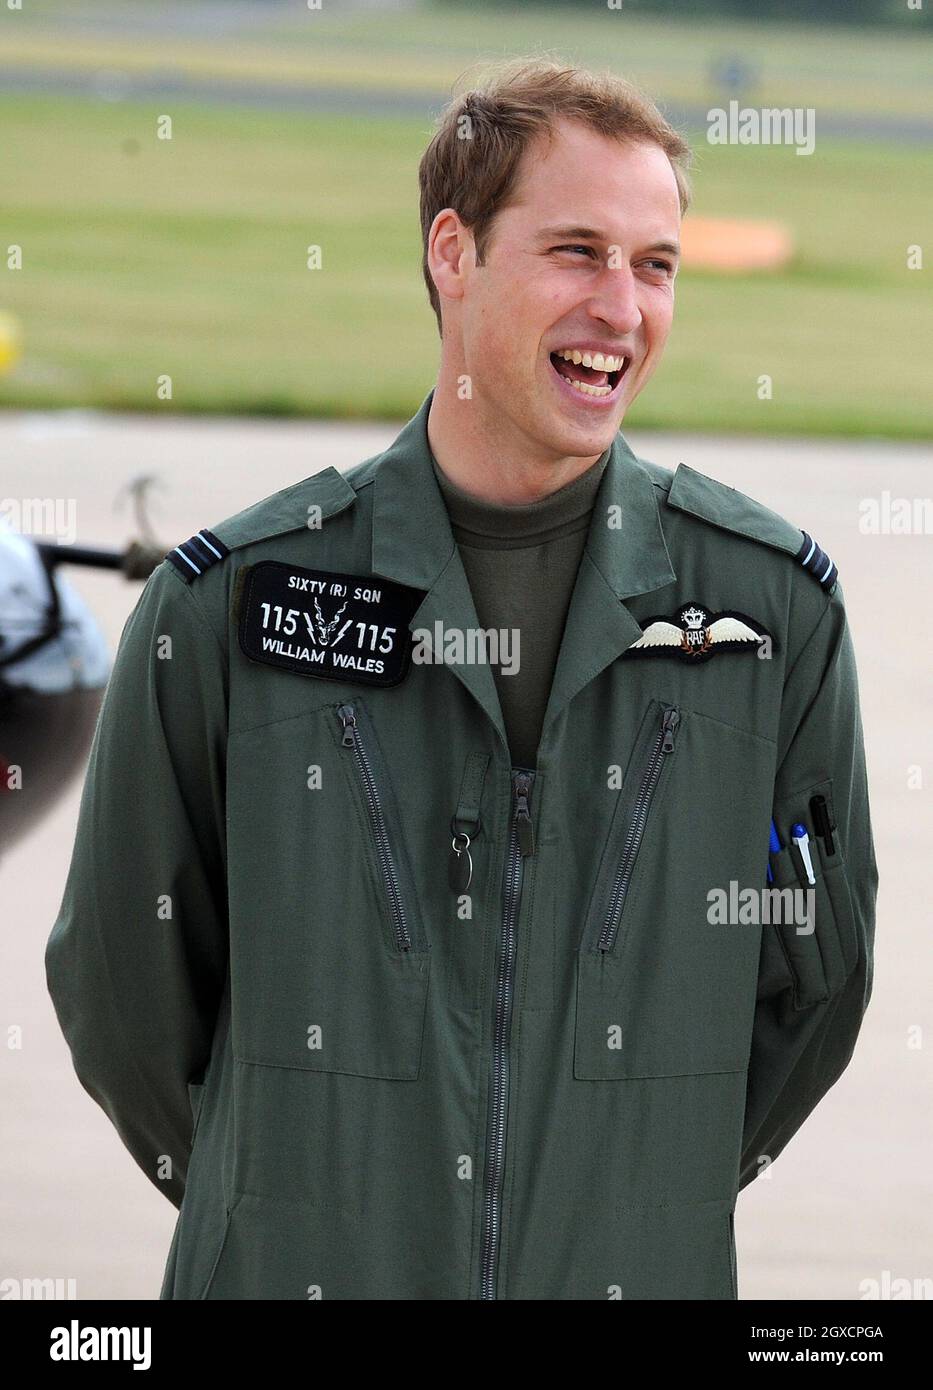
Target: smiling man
[403,977]
[558,300]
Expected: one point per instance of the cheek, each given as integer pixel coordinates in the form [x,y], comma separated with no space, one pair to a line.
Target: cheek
[516,307]
[501,329]
[658,315]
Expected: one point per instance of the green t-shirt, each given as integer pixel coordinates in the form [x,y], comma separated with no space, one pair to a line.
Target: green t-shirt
[521,562]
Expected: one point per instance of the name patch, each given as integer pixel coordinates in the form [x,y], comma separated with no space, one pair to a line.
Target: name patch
[338,627]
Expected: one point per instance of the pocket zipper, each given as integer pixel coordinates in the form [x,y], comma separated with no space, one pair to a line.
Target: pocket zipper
[353,738]
[663,744]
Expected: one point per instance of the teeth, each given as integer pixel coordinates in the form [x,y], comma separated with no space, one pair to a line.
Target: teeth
[590,390]
[598,361]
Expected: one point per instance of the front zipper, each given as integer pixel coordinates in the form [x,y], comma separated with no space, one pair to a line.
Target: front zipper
[663,744]
[353,738]
[521,845]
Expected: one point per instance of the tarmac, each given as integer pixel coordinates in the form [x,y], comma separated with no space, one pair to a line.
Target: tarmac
[848,1207]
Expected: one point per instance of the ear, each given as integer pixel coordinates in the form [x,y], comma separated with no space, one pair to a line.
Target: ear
[450,253]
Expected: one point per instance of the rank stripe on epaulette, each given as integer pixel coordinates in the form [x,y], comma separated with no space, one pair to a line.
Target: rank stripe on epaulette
[817,561]
[197,554]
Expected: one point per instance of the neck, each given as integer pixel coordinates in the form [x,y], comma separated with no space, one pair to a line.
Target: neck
[483,457]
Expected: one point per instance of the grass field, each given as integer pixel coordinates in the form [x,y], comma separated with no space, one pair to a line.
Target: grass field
[426,46]
[186,257]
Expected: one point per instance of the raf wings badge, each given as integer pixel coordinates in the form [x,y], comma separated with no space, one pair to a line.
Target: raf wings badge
[694,635]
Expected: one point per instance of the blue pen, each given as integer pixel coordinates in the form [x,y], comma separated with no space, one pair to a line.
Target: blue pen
[775,847]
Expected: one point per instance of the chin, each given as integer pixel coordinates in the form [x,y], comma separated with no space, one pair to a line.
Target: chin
[570,441]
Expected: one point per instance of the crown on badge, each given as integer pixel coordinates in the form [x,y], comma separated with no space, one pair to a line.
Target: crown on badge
[693,617]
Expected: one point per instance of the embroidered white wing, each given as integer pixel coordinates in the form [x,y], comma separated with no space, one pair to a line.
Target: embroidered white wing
[732,630]
[660,635]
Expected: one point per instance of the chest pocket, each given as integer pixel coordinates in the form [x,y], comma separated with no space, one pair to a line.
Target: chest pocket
[329,954]
[664,986]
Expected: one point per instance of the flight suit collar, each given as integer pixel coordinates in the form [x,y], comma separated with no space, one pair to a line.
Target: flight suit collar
[625,555]
[412,539]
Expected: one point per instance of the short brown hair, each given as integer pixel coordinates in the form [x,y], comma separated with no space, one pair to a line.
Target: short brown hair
[473,159]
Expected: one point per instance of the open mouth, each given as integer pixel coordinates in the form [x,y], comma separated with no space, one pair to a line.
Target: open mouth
[594,375]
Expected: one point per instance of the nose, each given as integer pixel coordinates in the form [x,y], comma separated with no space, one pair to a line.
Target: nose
[615,300]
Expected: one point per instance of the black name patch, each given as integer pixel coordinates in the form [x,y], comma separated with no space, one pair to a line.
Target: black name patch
[338,627]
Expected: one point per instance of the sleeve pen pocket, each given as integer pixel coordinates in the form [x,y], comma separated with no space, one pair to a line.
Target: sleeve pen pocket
[814,920]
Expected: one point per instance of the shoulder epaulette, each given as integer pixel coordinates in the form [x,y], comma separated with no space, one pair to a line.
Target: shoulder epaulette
[197,554]
[284,511]
[725,506]
[817,562]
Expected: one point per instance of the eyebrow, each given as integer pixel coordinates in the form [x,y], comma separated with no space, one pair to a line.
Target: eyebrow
[590,234]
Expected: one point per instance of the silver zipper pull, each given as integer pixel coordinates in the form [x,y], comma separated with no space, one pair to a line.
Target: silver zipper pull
[668,728]
[348,720]
[523,825]
[460,864]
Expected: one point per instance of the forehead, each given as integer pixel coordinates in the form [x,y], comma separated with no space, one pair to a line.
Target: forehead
[581,177]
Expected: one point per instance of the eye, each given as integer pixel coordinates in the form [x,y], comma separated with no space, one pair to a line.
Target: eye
[664,265]
[587,250]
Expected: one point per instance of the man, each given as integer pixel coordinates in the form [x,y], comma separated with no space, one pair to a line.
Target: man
[426,953]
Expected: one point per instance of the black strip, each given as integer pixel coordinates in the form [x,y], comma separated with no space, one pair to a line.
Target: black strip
[186,572]
[817,562]
[188,549]
[204,556]
[215,541]
[200,553]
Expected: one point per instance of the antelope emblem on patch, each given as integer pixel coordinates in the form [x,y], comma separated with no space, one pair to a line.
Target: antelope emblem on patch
[325,630]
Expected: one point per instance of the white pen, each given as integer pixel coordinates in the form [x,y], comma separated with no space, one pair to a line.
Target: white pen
[801,839]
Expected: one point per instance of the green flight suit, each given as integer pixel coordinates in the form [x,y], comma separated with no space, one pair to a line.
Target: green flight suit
[359,1080]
